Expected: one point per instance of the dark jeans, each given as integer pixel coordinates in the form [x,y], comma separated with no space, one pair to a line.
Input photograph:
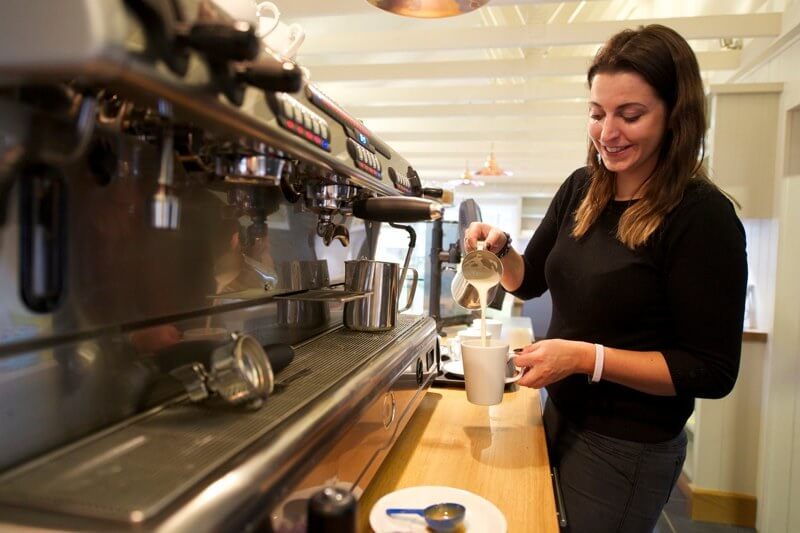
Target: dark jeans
[611,485]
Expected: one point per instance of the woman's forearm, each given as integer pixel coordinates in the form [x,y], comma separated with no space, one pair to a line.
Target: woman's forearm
[513,271]
[644,371]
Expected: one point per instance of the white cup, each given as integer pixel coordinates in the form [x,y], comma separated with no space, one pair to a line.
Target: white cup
[285,40]
[519,338]
[268,17]
[492,325]
[485,371]
[281,38]
[463,335]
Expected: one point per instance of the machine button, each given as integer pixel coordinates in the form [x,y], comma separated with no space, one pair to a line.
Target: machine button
[323,131]
[298,115]
[315,127]
[287,108]
[307,121]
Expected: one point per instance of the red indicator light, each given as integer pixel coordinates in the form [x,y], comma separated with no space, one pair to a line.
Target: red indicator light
[290,124]
[309,135]
[317,139]
[300,129]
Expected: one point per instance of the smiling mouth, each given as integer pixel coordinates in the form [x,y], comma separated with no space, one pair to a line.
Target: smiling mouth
[615,150]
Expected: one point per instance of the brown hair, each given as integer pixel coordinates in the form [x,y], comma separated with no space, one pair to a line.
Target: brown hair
[667,63]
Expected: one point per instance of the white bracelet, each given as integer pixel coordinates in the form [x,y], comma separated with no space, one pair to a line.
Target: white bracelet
[599,357]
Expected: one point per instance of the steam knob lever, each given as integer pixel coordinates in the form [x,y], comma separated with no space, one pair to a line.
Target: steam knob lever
[270,75]
[222,42]
[398,209]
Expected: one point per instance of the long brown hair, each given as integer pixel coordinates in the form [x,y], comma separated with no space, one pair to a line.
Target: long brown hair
[667,63]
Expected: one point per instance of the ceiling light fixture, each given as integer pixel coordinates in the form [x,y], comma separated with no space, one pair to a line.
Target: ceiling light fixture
[466,179]
[491,168]
[429,8]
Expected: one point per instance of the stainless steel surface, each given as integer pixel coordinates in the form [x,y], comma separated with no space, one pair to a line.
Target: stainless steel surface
[129,127]
[379,310]
[478,265]
[240,373]
[327,295]
[253,169]
[132,472]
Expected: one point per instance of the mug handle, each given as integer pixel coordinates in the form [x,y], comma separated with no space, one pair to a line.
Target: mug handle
[516,377]
[298,35]
[412,290]
[276,15]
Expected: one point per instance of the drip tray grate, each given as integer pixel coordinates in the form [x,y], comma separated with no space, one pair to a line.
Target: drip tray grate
[136,471]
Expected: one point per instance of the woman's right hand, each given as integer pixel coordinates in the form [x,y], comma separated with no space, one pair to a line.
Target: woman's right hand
[479,231]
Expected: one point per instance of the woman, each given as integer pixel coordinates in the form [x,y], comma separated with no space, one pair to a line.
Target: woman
[645,261]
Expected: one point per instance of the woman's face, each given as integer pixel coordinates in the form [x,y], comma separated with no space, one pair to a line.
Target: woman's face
[627,120]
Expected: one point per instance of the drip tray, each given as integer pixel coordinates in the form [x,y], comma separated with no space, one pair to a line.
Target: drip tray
[133,472]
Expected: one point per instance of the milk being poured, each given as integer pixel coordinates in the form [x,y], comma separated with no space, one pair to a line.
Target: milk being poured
[482,270]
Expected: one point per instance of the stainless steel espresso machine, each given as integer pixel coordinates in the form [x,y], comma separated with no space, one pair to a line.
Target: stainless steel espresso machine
[176,209]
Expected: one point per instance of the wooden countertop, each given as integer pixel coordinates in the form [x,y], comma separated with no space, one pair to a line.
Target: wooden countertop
[497,452]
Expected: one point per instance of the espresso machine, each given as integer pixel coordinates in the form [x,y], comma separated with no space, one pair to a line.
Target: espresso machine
[176,209]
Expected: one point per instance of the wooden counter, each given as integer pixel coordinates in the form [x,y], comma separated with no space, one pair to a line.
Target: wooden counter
[496,452]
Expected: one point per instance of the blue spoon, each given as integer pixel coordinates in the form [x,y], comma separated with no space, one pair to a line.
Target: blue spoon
[439,517]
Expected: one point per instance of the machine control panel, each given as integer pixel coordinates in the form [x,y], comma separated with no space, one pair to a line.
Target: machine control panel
[409,185]
[364,158]
[300,120]
[353,128]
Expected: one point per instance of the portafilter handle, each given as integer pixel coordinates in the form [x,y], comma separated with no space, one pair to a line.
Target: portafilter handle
[397,209]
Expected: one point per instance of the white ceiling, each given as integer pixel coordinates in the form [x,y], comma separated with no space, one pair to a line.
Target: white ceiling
[512,74]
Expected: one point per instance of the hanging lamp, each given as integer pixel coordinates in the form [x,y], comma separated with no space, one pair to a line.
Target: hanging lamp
[491,168]
[467,179]
[429,8]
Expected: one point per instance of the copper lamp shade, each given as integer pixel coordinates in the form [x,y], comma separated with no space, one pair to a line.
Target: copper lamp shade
[429,8]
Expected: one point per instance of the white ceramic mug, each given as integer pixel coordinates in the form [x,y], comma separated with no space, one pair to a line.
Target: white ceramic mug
[268,17]
[485,371]
[281,38]
[493,326]
[285,40]
[463,335]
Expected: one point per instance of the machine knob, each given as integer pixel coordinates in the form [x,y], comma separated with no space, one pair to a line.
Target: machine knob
[397,209]
[272,76]
[221,42]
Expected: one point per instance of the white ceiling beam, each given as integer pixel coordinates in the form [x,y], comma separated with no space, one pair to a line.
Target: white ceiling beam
[536,90]
[328,8]
[542,109]
[486,137]
[534,125]
[500,148]
[475,159]
[535,35]
[541,169]
[529,67]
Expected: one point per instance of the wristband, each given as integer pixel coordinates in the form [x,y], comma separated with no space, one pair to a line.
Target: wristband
[599,356]
[502,252]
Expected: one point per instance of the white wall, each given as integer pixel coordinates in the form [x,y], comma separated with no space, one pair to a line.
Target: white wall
[779,456]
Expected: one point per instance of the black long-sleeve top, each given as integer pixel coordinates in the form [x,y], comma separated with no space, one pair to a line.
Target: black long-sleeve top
[681,294]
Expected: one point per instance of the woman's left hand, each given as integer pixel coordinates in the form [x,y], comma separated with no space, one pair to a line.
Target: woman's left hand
[551,360]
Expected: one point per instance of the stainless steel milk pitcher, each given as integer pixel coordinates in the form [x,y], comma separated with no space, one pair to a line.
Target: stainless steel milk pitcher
[378,311]
[476,264]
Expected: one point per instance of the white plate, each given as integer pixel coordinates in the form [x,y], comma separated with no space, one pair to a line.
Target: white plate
[482,515]
[457,369]
[454,367]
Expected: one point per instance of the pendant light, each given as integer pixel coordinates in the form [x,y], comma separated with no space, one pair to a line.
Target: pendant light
[429,8]
[466,179]
[491,168]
